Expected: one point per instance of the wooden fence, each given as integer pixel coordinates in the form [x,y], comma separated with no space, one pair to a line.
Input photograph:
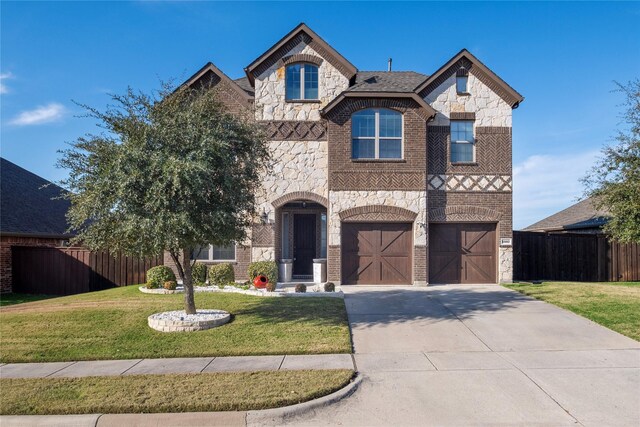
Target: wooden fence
[573,257]
[67,271]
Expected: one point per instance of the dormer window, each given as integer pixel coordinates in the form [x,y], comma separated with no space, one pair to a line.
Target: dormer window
[301,82]
[462,80]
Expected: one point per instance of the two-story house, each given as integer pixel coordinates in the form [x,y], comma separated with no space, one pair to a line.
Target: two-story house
[395,177]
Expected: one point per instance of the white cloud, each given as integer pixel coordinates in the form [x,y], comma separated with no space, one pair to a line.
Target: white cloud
[546,184]
[3,87]
[42,114]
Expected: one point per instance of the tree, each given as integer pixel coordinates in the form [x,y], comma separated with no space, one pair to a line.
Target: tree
[614,181]
[172,171]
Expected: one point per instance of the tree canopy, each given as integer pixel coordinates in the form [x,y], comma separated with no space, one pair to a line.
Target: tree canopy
[614,181]
[172,170]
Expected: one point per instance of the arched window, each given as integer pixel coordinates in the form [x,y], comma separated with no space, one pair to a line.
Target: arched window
[301,81]
[376,133]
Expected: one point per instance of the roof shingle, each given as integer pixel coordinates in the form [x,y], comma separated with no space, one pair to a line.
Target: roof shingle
[29,204]
[579,216]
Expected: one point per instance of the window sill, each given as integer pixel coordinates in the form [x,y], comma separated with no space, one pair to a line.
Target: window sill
[464,163]
[378,161]
[463,93]
[302,101]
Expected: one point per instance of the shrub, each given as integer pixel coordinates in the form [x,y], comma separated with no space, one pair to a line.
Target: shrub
[266,268]
[329,287]
[156,276]
[170,285]
[271,287]
[199,274]
[301,288]
[221,275]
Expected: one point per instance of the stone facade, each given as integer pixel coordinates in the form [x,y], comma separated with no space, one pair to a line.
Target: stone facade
[299,166]
[489,108]
[270,102]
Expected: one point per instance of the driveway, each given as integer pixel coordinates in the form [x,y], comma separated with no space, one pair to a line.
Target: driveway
[481,355]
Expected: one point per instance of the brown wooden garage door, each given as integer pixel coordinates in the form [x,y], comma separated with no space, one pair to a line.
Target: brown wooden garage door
[375,253]
[462,253]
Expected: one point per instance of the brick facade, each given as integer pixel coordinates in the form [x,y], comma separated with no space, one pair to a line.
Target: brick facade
[6,242]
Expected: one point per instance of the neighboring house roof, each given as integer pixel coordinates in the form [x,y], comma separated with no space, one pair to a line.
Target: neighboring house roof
[387,81]
[29,205]
[244,83]
[286,43]
[579,216]
[506,92]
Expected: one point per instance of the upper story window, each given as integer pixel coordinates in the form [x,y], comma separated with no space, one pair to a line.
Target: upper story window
[301,81]
[462,81]
[461,84]
[214,253]
[376,134]
[462,142]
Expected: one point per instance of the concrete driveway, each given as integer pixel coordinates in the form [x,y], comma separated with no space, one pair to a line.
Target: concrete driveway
[482,355]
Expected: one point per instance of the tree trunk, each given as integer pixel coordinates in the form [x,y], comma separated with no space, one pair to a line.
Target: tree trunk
[187,283]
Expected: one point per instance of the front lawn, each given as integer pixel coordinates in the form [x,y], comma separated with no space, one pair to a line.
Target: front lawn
[112,324]
[11,299]
[615,305]
[231,391]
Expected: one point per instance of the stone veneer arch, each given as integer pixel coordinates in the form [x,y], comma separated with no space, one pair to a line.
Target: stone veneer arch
[464,213]
[299,195]
[401,105]
[377,213]
[301,57]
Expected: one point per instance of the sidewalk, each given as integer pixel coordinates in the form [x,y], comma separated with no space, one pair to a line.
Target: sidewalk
[176,366]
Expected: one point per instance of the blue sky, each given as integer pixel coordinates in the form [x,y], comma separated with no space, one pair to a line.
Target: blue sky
[563,57]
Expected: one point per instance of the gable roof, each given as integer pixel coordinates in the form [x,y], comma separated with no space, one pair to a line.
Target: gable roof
[210,68]
[387,81]
[578,216]
[26,205]
[293,38]
[488,77]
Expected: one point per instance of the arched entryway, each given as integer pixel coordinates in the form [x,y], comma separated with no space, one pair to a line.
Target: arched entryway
[301,231]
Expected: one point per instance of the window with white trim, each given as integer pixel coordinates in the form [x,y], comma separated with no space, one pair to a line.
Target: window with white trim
[214,253]
[462,142]
[376,133]
[301,81]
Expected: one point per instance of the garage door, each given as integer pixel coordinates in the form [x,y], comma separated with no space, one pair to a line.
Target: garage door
[375,254]
[462,253]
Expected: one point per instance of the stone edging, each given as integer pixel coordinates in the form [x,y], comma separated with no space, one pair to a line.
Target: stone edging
[204,319]
[256,293]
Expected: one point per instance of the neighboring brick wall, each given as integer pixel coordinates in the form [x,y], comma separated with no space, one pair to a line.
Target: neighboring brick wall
[6,242]
[348,174]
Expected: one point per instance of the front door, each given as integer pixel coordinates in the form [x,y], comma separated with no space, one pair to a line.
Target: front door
[304,244]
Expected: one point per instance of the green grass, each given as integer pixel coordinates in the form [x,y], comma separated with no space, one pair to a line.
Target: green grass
[615,305]
[11,299]
[232,391]
[112,324]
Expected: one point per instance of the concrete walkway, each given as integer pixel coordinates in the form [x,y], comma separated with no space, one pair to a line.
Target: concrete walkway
[175,366]
[481,355]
